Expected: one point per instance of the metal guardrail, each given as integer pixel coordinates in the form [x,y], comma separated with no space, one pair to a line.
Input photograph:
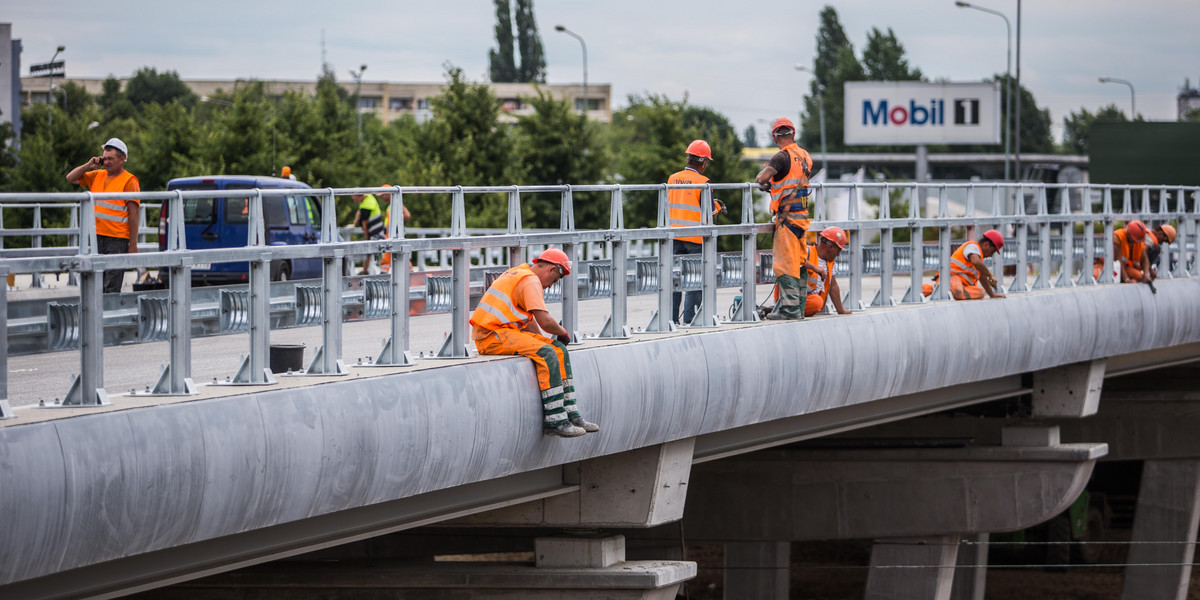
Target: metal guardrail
[83,324]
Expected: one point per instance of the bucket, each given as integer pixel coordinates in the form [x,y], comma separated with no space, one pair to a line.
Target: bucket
[287,357]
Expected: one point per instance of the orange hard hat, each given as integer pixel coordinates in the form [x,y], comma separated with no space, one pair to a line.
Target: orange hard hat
[555,256]
[699,148]
[780,123]
[995,238]
[1170,231]
[1136,231]
[835,235]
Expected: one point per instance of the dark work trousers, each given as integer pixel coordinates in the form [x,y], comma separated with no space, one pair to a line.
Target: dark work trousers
[112,245]
[693,297]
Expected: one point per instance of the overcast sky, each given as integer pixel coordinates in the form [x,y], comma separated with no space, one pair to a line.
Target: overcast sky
[734,57]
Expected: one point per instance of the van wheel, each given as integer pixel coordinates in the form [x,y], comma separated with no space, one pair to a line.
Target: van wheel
[281,271]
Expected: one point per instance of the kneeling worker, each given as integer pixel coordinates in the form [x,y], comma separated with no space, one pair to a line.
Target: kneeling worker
[507,321]
[969,277]
[1129,262]
[821,283]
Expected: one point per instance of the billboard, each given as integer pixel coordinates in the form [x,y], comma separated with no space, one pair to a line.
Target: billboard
[912,112]
[1141,153]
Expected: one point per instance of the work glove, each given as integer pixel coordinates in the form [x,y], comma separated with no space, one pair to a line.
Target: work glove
[720,206]
[565,339]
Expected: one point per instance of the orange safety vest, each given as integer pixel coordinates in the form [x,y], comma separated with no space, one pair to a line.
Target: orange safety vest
[1131,250]
[684,205]
[112,216]
[791,192]
[827,276]
[497,309]
[961,266]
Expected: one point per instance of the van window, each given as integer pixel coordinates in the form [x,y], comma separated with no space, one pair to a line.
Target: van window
[237,210]
[297,209]
[198,211]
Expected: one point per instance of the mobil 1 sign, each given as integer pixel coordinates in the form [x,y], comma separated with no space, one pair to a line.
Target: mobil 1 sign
[911,112]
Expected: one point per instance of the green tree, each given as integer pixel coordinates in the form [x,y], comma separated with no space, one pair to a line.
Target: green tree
[1077,126]
[750,136]
[1192,115]
[52,143]
[833,65]
[883,58]
[501,66]
[148,86]
[74,99]
[533,59]
[114,104]
[1036,135]
[167,146]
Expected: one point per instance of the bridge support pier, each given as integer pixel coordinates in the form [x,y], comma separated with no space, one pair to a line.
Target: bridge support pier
[1168,510]
[912,568]
[757,569]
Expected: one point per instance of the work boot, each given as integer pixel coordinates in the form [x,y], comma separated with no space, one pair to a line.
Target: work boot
[565,429]
[587,426]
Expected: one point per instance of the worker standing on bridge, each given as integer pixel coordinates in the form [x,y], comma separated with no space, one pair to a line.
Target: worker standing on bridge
[969,277]
[370,217]
[786,177]
[684,211]
[821,283]
[507,321]
[385,262]
[116,220]
[1129,261]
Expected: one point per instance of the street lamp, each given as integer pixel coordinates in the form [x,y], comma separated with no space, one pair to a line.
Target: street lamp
[584,46]
[1007,81]
[50,92]
[821,112]
[357,75]
[1132,100]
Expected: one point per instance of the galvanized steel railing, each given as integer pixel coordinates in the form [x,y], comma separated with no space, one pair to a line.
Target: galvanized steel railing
[1019,210]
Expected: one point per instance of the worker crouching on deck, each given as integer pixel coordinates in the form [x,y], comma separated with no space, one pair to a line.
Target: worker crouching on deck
[821,281]
[1129,261]
[509,320]
[970,279]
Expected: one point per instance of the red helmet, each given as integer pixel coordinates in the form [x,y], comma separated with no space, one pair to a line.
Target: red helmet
[995,238]
[1136,231]
[555,256]
[699,148]
[835,235]
[780,123]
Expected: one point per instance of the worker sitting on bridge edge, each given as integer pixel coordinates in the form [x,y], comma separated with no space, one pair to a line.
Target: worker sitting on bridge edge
[507,322]
[683,210]
[970,279]
[1129,261]
[1159,236]
[821,282]
[786,177]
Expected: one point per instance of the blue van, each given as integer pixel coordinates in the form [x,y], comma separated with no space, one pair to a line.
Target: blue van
[224,223]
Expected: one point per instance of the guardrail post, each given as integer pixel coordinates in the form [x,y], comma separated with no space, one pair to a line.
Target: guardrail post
[747,311]
[36,277]
[1043,279]
[915,294]
[661,320]
[886,252]
[87,389]
[1066,270]
[6,411]
[1106,272]
[255,368]
[1021,226]
[176,379]
[395,349]
[327,360]
[614,326]
[455,345]
[941,292]
[854,291]
[708,253]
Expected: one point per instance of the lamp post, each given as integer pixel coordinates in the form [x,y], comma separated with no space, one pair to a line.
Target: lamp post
[357,75]
[584,46]
[821,113]
[1132,100]
[1007,81]
[50,92]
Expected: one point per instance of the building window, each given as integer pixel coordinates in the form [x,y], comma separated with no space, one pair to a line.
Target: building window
[510,104]
[593,103]
[395,104]
[422,103]
[368,102]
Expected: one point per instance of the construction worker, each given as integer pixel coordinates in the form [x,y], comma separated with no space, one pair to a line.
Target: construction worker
[969,277]
[1130,263]
[821,256]
[370,217]
[385,262]
[786,177]
[116,220]
[507,321]
[684,211]
[1163,234]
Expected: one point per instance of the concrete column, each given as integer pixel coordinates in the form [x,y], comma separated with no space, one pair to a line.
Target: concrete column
[970,578]
[1168,508]
[757,570]
[917,568]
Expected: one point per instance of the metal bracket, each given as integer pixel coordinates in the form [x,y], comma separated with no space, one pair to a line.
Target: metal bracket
[607,330]
[448,351]
[653,327]
[6,411]
[243,375]
[317,366]
[75,397]
[163,386]
[388,358]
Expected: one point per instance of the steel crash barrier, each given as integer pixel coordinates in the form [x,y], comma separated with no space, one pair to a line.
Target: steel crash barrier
[630,260]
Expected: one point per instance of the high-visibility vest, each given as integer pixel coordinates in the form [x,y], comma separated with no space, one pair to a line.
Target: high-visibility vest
[825,278]
[684,205]
[375,226]
[112,216]
[1131,250]
[961,266]
[497,309]
[791,192]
